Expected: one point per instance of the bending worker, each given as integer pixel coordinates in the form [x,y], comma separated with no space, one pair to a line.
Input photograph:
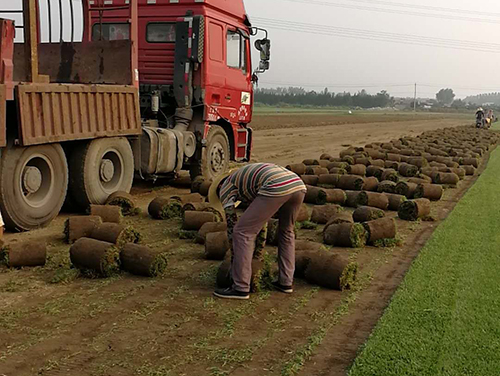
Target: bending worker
[270,189]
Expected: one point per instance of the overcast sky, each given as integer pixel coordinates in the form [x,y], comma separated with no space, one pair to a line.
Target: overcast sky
[307,50]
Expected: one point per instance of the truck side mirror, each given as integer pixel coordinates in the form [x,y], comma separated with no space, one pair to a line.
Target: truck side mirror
[264,46]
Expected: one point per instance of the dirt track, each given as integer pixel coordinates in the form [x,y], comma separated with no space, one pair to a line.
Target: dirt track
[171,326]
[291,145]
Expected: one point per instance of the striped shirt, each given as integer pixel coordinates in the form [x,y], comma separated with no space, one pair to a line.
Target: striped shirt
[264,179]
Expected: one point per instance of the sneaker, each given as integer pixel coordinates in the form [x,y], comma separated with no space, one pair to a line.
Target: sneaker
[230,293]
[286,289]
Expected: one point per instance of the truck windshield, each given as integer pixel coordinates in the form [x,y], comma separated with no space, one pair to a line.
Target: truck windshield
[111,31]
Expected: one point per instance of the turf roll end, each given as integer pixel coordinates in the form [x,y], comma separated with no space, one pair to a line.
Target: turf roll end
[414,209]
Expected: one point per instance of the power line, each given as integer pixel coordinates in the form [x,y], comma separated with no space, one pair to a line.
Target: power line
[378,36]
[395,11]
[373,33]
[429,7]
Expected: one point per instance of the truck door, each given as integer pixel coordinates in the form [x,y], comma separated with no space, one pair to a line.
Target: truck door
[238,87]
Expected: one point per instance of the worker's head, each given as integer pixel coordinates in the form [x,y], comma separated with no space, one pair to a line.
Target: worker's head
[214,191]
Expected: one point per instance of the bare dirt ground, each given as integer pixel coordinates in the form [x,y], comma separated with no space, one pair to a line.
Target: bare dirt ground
[52,323]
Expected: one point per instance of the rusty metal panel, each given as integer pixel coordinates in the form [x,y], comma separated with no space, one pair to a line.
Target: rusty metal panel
[100,62]
[65,112]
[3,115]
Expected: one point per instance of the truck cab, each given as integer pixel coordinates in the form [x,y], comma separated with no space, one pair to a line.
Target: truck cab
[195,72]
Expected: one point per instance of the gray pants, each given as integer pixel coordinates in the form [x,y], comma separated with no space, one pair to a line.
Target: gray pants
[249,225]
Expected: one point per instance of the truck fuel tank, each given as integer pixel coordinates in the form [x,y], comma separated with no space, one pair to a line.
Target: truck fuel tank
[163,150]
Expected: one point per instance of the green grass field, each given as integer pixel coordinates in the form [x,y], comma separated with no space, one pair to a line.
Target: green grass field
[444,319]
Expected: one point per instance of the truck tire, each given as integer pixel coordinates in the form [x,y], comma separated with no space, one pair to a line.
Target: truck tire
[215,155]
[33,185]
[99,168]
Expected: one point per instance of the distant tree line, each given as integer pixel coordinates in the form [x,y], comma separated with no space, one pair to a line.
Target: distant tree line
[298,96]
[484,98]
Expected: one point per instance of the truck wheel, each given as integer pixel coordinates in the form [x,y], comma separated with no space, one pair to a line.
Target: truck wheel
[215,155]
[100,168]
[33,185]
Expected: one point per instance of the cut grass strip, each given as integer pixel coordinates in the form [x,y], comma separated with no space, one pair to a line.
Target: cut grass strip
[443,320]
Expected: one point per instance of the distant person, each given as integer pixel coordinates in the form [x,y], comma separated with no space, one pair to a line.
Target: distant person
[480,118]
[270,189]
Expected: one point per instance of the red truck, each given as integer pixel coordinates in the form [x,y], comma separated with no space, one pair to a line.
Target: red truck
[154,87]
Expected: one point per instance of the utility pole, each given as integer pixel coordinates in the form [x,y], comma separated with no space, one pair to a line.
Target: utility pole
[415,100]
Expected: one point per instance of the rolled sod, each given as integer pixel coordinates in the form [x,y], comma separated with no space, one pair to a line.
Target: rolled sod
[165,208]
[298,168]
[395,201]
[125,201]
[378,163]
[345,235]
[375,171]
[302,260]
[392,165]
[352,199]
[393,157]
[331,271]
[349,151]
[412,210]
[314,195]
[459,171]
[96,256]
[196,184]
[142,260]
[421,179]
[80,227]
[373,199]
[371,184]
[335,196]
[216,245]
[310,179]
[189,198]
[470,162]
[390,174]
[193,220]
[203,207]
[437,164]
[316,170]
[469,170]
[418,161]
[322,214]
[325,156]
[408,170]
[433,192]
[29,253]
[205,188]
[337,171]
[330,180]
[367,213]
[107,213]
[342,217]
[446,178]
[386,186]
[116,234]
[310,162]
[357,169]
[324,163]
[209,227]
[366,161]
[348,159]
[341,165]
[351,182]
[383,228]
[303,214]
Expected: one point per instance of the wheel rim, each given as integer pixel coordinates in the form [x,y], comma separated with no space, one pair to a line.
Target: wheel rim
[217,158]
[111,169]
[37,181]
